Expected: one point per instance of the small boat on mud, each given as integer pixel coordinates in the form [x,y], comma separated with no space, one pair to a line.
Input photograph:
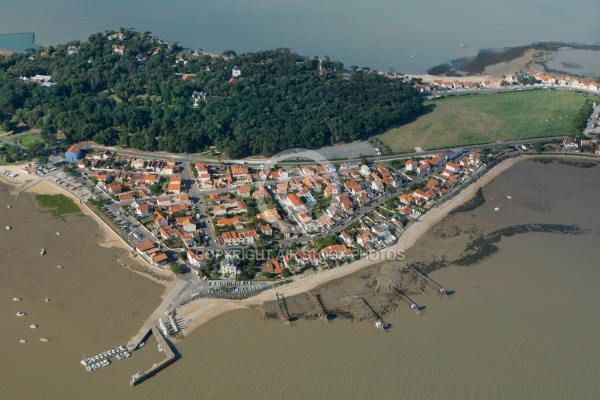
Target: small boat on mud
[44,339]
[33,326]
[58,266]
[22,341]
[21,314]
[16,299]
[42,252]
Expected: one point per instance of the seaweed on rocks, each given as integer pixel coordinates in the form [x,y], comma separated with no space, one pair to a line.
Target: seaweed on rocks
[477,201]
[569,162]
[485,246]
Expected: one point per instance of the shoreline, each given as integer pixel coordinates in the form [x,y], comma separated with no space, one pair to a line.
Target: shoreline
[203,310]
[110,238]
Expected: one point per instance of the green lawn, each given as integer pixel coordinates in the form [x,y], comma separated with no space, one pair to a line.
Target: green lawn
[487,117]
[27,141]
[62,204]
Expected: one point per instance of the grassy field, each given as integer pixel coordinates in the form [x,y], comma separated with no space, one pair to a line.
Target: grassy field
[486,118]
[27,141]
[62,204]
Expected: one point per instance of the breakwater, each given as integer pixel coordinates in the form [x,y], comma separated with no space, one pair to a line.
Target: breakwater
[170,354]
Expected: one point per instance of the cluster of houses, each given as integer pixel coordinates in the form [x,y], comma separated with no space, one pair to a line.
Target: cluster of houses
[126,177]
[492,83]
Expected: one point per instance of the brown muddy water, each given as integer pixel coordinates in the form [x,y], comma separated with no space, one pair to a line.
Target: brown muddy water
[522,322]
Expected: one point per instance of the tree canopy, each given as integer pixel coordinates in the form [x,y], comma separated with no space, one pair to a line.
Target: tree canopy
[143,98]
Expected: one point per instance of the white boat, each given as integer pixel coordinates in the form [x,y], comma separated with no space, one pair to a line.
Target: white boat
[160,348]
[46,299]
[508,197]
[8,228]
[379,325]
[42,252]
[44,339]
[16,299]
[57,233]
[497,209]
[141,345]
[21,314]
[33,326]
[22,341]
[58,266]
[413,56]
[88,368]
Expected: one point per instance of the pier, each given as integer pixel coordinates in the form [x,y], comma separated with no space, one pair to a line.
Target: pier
[141,336]
[379,323]
[413,306]
[322,314]
[170,358]
[438,288]
[285,315]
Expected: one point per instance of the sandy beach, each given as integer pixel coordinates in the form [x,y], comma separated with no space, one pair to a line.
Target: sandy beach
[111,239]
[38,185]
[203,310]
[523,63]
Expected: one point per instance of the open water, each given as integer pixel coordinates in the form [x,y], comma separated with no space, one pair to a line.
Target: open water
[521,325]
[376,34]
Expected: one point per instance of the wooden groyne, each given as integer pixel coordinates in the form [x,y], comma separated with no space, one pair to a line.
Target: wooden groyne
[285,315]
[138,378]
[438,288]
[413,306]
[322,314]
[379,323]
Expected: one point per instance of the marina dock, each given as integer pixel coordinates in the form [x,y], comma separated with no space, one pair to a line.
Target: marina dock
[285,315]
[139,377]
[316,299]
[438,288]
[379,322]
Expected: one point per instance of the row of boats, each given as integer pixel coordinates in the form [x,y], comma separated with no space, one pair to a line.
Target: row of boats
[98,365]
[26,341]
[102,359]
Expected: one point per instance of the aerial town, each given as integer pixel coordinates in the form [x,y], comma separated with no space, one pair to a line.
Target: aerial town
[197,213]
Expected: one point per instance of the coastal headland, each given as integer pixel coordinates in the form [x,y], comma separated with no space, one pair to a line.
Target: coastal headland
[203,310]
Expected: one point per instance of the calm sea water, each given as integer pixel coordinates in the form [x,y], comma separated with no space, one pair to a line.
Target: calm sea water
[375,33]
[521,325]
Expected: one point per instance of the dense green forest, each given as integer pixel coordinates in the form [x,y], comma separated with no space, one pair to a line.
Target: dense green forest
[139,99]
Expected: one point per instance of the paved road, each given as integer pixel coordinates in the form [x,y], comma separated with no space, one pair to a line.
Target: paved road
[404,156]
[592,125]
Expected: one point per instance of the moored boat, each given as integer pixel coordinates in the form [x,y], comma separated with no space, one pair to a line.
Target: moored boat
[160,348]
[58,266]
[33,326]
[42,252]
[44,339]
[21,314]
[16,299]
[22,341]
[46,299]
